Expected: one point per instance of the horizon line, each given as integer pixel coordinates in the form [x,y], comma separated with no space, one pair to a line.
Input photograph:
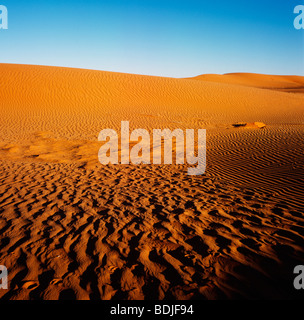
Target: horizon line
[149,75]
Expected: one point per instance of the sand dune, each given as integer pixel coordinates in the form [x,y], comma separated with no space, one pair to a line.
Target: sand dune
[71,228]
[76,103]
[272,82]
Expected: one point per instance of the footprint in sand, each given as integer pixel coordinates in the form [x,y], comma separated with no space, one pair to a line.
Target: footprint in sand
[30,284]
[112,269]
[56,281]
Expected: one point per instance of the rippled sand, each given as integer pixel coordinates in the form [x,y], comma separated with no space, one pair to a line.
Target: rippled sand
[72,228]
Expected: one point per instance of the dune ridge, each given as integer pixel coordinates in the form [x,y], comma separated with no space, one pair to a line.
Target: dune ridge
[293,84]
[77,103]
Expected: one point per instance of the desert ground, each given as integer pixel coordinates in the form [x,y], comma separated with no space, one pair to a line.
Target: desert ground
[71,228]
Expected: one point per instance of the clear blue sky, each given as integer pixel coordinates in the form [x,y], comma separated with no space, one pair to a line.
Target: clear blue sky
[161,37]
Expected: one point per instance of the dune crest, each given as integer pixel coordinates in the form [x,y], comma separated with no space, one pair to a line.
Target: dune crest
[273,82]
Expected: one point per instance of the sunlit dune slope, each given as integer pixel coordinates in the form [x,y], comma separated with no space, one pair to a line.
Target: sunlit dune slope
[78,103]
